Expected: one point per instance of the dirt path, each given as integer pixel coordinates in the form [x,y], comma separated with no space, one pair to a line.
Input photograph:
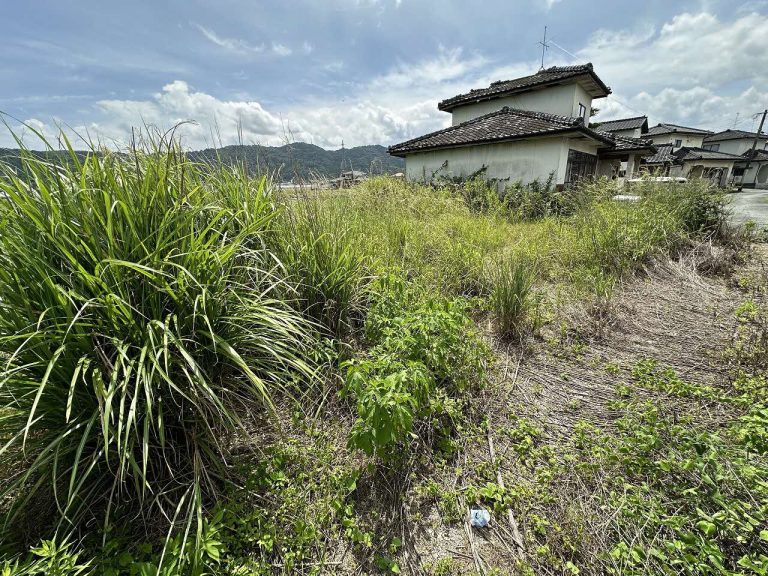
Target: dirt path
[670,313]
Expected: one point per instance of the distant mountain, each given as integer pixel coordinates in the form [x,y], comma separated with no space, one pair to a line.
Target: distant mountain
[299,161]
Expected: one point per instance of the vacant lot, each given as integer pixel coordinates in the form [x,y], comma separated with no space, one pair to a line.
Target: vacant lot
[203,375]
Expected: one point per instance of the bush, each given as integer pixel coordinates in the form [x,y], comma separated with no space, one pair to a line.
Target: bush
[322,263]
[424,352]
[540,199]
[138,323]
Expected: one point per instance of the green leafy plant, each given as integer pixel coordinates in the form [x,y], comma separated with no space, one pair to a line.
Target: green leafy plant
[423,353]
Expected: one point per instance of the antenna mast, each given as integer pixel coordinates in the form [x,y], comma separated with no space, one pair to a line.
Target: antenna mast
[544,47]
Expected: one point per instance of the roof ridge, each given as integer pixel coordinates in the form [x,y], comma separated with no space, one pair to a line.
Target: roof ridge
[625,119]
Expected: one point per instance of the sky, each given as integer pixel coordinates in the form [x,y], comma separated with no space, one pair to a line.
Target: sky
[360,71]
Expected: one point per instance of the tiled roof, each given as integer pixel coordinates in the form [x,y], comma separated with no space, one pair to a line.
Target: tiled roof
[623,124]
[666,128]
[686,153]
[733,135]
[553,75]
[757,154]
[663,155]
[626,143]
[505,124]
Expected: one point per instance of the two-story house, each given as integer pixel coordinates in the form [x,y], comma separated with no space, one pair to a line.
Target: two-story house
[751,168]
[524,129]
[677,136]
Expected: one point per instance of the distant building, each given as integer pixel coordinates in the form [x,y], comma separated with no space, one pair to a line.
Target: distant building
[524,130]
[635,127]
[751,169]
[692,162]
[677,136]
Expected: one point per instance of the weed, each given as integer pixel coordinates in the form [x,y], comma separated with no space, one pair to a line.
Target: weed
[512,299]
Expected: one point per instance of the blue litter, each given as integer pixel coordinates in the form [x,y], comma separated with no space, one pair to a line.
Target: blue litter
[479,518]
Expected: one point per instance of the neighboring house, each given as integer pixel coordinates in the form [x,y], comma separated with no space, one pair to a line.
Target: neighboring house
[629,127]
[735,141]
[524,129]
[632,128]
[678,136]
[691,162]
[752,174]
[751,171]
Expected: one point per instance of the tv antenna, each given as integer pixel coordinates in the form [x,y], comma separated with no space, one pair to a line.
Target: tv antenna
[544,47]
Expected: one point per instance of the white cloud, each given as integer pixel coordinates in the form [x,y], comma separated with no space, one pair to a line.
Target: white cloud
[695,69]
[231,44]
[281,50]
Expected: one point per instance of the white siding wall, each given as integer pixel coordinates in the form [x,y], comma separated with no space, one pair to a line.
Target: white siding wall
[630,133]
[563,100]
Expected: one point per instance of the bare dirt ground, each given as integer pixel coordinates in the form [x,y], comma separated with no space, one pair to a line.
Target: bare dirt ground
[670,312]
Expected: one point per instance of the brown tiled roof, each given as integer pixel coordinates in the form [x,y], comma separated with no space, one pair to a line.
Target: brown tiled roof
[503,125]
[690,153]
[733,135]
[663,155]
[665,128]
[623,124]
[553,75]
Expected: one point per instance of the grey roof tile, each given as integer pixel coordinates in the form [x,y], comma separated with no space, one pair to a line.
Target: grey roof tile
[623,124]
[733,135]
[666,128]
[502,88]
[502,125]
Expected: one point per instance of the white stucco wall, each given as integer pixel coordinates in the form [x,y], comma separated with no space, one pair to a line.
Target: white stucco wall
[523,160]
[690,140]
[563,100]
[632,133]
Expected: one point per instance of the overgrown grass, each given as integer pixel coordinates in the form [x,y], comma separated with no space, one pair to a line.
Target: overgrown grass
[322,263]
[151,309]
[140,320]
[435,235]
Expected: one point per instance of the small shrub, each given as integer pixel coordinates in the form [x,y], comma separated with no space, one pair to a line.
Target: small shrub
[424,354]
[537,199]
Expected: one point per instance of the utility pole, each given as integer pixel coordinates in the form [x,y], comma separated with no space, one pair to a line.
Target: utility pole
[544,47]
[752,151]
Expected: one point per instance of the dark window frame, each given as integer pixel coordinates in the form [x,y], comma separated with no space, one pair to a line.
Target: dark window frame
[580,166]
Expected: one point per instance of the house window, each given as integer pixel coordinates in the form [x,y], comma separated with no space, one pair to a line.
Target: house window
[580,166]
[678,143]
[583,112]
[712,147]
